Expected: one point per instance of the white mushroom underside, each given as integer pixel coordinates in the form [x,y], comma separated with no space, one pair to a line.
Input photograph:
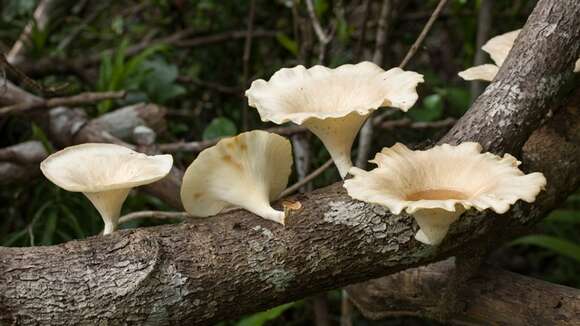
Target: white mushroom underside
[443,181]
[498,48]
[247,171]
[333,103]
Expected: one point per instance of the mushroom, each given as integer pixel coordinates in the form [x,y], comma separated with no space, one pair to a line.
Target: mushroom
[247,171]
[105,173]
[333,103]
[437,185]
[498,48]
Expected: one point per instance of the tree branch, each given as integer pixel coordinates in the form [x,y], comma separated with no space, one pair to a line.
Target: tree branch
[494,297]
[237,263]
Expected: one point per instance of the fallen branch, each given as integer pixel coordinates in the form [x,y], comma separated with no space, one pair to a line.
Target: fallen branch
[83,98]
[198,146]
[493,297]
[153,214]
[423,34]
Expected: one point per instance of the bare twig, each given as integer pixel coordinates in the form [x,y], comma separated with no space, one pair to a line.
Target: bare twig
[366,133]
[232,90]
[363,31]
[6,65]
[408,123]
[225,36]
[198,146]
[39,20]
[484,18]
[323,37]
[295,187]
[153,214]
[83,98]
[423,34]
[246,68]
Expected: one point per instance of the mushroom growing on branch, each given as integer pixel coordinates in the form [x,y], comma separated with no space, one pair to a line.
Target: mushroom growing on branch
[333,103]
[498,48]
[437,185]
[105,173]
[247,171]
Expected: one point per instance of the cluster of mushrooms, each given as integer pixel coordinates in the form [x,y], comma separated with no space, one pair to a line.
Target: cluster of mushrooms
[435,186]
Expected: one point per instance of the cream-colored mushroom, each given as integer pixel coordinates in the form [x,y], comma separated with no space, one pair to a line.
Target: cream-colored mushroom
[437,185]
[333,103]
[247,171]
[498,48]
[105,173]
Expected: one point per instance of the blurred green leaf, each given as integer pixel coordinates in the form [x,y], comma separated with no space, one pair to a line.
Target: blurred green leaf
[261,318]
[560,246]
[49,228]
[564,216]
[430,109]
[287,43]
[218,128]
[321,7]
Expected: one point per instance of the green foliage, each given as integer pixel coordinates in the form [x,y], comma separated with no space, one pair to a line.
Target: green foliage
[118,72]
[560,246]
[220,127]
[288,43]
[261,318]
[431,109]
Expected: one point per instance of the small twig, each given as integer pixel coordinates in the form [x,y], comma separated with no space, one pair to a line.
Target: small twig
[295,187]
[408,123]
[6,65]
[83,98]
[232,90]
[153,214]
[320,33]
[363,31]
[225,36]
[246,58]
[198,146]
[423,34]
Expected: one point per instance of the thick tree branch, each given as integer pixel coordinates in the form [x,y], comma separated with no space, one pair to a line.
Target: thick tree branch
[494,297]
[237,263]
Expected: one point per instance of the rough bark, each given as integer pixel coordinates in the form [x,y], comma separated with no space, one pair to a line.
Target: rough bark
[20,162]
[198,273]
[532,76]
[237,263]
[493,297]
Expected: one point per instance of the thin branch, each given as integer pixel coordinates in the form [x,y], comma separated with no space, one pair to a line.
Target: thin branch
[423,34]
[358,53]
[320,33]
[153,214]
[366,132]
[484,20]
[83,98]
[246,63]
[408,123]
[295,187]
[198,146]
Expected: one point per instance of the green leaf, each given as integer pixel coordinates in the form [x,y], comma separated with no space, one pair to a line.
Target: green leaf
[564,216]
[218,128]
[560,246]
[261,318]
[49,229]
[288,43]
[320,7]
[431,109]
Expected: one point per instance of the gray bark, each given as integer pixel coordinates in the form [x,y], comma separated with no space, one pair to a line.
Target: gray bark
[199,273]
[493,297]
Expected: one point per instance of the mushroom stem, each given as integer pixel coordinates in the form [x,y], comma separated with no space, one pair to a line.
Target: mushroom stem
[337,135]
[271,214]
[109,204]
[434,223]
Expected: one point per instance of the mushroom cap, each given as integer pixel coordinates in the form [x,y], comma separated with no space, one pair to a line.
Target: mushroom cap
[500,46]
[95,167]
[444,177]
[485,72]
[248,170]
[298,94]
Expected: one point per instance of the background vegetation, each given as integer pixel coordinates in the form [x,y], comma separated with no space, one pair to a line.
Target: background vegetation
[201,76]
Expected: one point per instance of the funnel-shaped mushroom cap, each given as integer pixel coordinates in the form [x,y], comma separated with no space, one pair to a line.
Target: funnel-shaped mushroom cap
[437,185]
[247,171]
[333,103]
[498,48]
[105,173]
